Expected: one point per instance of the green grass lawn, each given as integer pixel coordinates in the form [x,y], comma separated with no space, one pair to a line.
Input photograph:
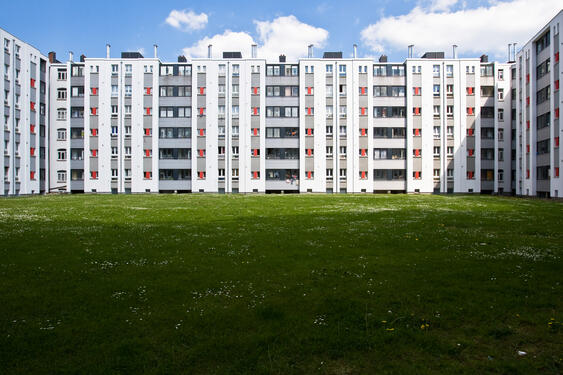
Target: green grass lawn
[342,284]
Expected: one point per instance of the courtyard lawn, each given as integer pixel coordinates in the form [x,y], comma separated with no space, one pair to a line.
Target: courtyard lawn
[337,284]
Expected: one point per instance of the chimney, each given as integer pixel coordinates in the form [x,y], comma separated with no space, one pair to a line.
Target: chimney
[410,51]
[254,49]
[52,57]
[514,51]
[182,58]
[484,58]
[383,58]
[70,56]
[209,51]
[355,50]
[282,58]
[107,50]
[310,53]
[454,55]
[155,51]
[82,58]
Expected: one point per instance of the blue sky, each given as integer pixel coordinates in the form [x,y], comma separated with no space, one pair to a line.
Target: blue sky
[377,26]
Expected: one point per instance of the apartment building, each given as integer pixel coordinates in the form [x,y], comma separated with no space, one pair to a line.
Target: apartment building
[330,124]
[538,124]
[24,111]
[456,124]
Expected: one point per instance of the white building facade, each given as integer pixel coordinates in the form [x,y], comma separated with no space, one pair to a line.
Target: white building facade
[229,123]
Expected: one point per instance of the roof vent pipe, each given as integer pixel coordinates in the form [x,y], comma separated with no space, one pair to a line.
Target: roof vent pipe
[209,51]
[70,56]
[410,51]
[155,51]
[355,50]
[454,51]
[254,49]
[107,50]
[310,54]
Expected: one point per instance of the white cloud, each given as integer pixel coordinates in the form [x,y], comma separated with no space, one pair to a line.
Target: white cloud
[228,41]
[442,5]
[435,25]
[288,36]
[186,20]
[283,35]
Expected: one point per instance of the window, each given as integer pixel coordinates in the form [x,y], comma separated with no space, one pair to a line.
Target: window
[61,134]
[380,70]
[342,150]
[235,151]
[449,70]
[436,70]
[436,151]
[436,132]
[341,70]
[501,74]
[114,90]
[449,90]
[61,114]
[77,112]
[236,69]
[235,131]
[61,176]
[128,90]
[543,95]
[543,68]
[342,173]
[61,154]
[436,111]
[114,69]
[128,69]
[500,114]
[385,112]
[470,69]
[282,111]
[61,74]
[543,42]
[329,68]
[342,111]
[500,94]
[486,70]
[436,90]
[397,70]
[487,112]
[77,71]
[61,94]
[114,110]
[487,91]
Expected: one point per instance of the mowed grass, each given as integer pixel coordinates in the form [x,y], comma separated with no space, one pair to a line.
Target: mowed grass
[215,284]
